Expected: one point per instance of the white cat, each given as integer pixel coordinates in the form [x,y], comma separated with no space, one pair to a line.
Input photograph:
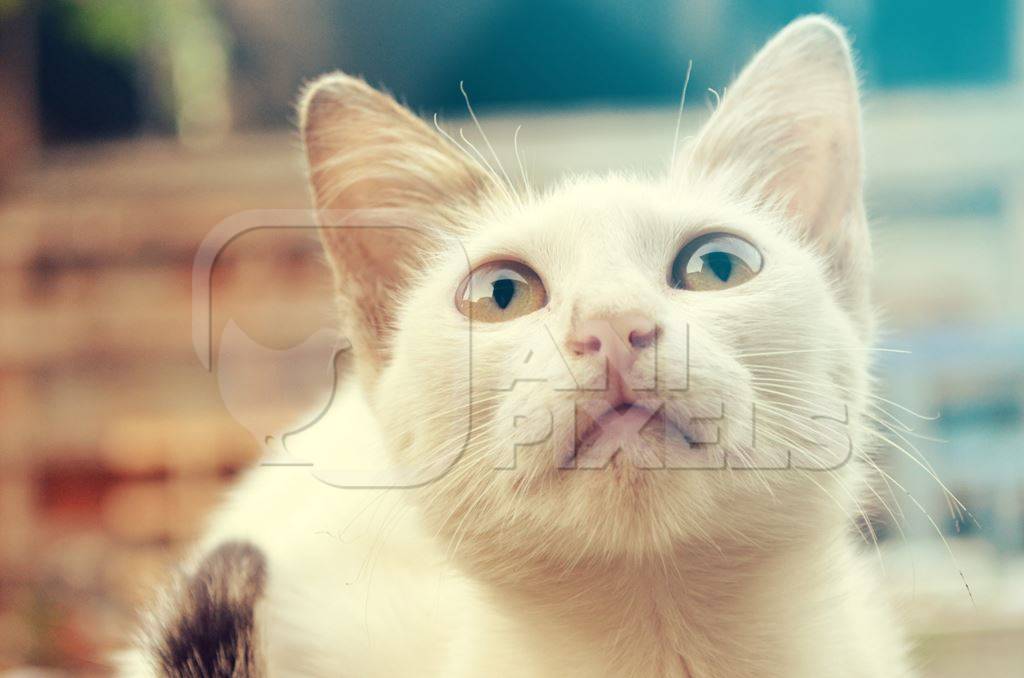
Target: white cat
[641,457]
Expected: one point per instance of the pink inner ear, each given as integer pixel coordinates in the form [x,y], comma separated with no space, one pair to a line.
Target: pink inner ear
[823,182]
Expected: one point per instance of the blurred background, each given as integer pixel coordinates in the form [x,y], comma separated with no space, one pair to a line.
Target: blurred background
[130,128]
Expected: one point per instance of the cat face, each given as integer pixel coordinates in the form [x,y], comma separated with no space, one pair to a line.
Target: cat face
[621,365]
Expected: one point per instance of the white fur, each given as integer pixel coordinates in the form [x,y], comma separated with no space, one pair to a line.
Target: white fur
[531,571]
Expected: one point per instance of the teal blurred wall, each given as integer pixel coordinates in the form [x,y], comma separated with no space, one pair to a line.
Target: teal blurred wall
[543,53]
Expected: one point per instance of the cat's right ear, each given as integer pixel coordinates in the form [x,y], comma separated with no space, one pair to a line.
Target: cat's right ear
[384,184]
[788,134]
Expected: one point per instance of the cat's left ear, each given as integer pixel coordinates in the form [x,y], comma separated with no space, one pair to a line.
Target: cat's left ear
[788,133]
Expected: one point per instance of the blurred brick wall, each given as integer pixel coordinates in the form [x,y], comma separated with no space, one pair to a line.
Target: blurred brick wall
[114,441]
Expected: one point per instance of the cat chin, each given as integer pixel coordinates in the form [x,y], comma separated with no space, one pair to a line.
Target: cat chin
[652,491]
[623,510]
[652,497]
[629,515]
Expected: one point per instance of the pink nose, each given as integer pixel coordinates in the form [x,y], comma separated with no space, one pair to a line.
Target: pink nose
[618,337]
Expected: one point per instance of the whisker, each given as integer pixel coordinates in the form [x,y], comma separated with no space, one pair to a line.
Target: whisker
[957,513]
[476,159]
[480,128]
[862,349]
[774,368]
[497,180]
[718,98]
[783,440]
[781,412]
[679,119]
[945,542]
[924,465]
[519,161]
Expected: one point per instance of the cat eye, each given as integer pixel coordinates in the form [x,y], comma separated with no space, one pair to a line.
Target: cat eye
[714,261]
[500,290]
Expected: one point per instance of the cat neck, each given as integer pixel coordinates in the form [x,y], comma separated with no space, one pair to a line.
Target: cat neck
[731,611]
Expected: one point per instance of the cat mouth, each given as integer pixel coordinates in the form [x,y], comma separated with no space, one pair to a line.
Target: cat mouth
[642,429]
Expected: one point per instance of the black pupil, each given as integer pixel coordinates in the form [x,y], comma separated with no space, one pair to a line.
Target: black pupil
[503,291]
[720,264]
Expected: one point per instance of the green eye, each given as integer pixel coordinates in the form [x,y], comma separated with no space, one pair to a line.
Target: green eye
[500,290]
[715,261]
